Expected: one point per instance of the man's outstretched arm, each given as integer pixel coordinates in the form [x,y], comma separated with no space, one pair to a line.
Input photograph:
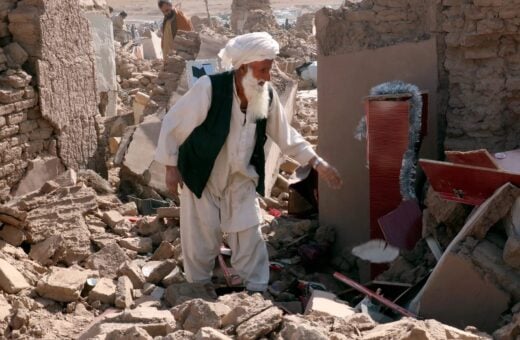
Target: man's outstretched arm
[294,145]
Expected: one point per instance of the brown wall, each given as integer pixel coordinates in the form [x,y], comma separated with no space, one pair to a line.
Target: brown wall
[344,81]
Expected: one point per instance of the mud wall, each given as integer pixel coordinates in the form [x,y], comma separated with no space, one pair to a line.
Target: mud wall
[482,60]
[48,96]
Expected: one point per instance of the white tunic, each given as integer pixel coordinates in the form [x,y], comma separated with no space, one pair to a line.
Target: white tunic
[233,180]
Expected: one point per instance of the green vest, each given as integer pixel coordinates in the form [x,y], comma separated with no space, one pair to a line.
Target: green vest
[198,153]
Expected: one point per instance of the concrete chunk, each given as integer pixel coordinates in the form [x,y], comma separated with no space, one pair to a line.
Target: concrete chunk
[134,273]
[123,295]
[155,271]
[142,245]
[11,280]
[62,284]
[112,218]
[260,325]
[165,251]
[208,333]
[12,235]
[104,291]
[327,303]
[107,260]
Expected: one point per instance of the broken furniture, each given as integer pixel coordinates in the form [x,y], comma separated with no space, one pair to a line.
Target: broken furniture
[470,179]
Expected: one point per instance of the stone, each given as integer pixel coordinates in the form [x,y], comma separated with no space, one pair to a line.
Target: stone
[511,253]
[123,293]
[165,251]
[328,304]
[134,333]
[509,331]
[39,171]
[179,335]
[179,293]
[243,307]
[107,260]
[43,252]
[260,325]
[12,235]
[11,280]
[168,212]
[142,245]
[155,322]
[296,328]
[155,271]
[16,55]
[68,178]
[62,284]
[128,209]
[133,272]
[157,293]
[452,214]
[175,276]
[112,218]
[198,313]
[208,333]
[149,225]
[104,291]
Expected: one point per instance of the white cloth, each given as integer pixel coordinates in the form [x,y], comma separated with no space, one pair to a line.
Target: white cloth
[248,48]
[201,238]
[232,179]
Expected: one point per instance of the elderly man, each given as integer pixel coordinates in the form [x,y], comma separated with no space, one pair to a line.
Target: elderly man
[174,20]
[212,141]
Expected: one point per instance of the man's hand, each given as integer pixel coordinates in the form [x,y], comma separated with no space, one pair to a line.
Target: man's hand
[327,172]
[173,179]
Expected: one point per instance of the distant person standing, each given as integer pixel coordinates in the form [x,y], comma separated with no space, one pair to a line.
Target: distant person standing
[174,20]
[120,32]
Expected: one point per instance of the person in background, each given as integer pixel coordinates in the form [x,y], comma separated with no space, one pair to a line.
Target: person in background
[120,32]
[174,20]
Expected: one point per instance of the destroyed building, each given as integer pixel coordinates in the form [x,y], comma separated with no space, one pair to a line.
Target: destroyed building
[96,254]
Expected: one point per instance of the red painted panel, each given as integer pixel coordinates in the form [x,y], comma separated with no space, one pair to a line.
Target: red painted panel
[481,158]
[466,184]
[387,123]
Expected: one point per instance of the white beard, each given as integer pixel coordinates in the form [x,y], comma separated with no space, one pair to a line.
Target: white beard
[257,96]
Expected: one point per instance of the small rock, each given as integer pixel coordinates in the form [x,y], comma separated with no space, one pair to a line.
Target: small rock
[112,217]
[134,273]
[197,313]
[260,325]
[62,284]
[11,280]
[175,276]
[179,335]
[44,251]
[123,295]
[327,303]
[104,291]
[142,245]
[134,333]
[149,225]
[16,55]
[107,260]
[164,252]
[168,212]
[12,235]
[157,293]
[208,333]
[155,271]
[20,319]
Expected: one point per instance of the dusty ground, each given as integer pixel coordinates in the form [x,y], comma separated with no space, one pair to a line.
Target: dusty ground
[147,9]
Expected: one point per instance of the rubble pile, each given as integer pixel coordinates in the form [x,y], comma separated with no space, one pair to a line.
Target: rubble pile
[260,10]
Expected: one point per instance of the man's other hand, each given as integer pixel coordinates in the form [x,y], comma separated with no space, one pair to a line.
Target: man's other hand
[173,179]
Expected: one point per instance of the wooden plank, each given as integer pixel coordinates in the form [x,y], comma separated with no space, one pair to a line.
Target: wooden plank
[466,184]
[481,158]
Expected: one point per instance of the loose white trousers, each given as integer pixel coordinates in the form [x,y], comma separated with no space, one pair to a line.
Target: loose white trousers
[201,238]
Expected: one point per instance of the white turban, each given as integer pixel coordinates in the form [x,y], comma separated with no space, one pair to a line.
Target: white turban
[248,48]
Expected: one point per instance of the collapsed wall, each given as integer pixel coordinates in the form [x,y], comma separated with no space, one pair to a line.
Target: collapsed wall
[482,60]
[48,96]
[241,10]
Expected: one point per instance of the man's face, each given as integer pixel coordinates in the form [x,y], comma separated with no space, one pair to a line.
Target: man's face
[166,9]
[261,70]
